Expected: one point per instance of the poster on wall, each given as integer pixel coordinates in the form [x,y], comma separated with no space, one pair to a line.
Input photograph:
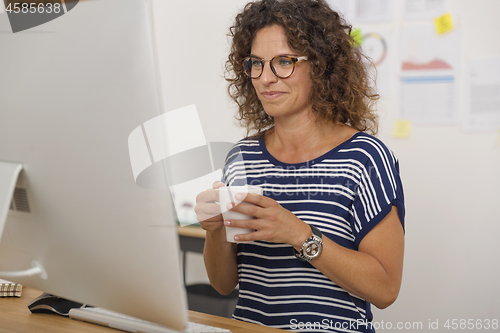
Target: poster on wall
[429,66]
[482,94]
[425,9]
[374,11]
[376,44]
[360,11]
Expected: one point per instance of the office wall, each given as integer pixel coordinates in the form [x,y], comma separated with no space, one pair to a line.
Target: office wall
[450,176]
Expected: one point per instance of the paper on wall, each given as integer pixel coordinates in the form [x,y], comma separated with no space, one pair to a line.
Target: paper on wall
[482,94]
[425,9]
[377,45]
[360,11]
[429,65]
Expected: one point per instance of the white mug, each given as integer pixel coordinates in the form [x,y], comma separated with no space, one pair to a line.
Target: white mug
[226,195]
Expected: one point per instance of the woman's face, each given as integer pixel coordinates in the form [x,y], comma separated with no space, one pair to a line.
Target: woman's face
[288,97]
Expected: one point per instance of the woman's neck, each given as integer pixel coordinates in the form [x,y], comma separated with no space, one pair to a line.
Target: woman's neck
[304,138]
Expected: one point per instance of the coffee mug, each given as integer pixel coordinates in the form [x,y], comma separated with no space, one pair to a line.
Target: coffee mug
[226,195]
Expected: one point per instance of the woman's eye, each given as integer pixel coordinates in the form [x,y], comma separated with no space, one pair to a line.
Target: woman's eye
[284,62]
[256,63]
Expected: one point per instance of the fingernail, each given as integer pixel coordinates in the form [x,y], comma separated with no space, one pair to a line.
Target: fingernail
[227,223]
[229,205]
[239,196]
[237,238]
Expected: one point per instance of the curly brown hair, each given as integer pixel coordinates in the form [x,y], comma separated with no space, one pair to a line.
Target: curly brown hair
[342,87]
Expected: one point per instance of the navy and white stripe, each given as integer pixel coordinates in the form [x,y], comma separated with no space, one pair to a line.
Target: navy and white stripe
[344,193]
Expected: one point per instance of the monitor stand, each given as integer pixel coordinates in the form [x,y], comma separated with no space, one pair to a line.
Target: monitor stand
[9,172]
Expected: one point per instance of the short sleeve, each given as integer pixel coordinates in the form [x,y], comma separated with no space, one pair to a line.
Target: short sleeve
[379,188]
[234,172]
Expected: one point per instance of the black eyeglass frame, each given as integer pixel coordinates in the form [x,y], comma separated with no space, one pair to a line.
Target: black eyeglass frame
[294,60]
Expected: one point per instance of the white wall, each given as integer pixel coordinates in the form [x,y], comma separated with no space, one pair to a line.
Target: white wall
[192,47]
[451,177]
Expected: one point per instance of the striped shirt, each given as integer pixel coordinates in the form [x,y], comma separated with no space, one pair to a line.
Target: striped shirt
[344,193]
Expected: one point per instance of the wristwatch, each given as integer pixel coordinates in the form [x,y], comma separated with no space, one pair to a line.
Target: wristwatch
[311,248]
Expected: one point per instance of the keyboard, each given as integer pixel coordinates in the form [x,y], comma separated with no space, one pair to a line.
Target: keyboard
[126,323]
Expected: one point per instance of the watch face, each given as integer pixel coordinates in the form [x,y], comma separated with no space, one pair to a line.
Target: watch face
[312,248]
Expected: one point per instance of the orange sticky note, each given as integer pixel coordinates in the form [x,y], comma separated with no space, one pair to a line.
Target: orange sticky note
[443,24]
[402,129]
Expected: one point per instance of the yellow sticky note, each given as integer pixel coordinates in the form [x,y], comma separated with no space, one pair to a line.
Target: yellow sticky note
[402,129]
[357,36]
[443,24]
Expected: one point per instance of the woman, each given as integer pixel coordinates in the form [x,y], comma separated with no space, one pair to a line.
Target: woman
[329,237]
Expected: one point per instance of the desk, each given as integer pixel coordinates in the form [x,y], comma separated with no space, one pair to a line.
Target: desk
[202,297]
[16,318]
[192,239]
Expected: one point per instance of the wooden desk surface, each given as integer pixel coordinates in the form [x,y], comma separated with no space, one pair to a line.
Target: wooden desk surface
[16,318]
[187,231]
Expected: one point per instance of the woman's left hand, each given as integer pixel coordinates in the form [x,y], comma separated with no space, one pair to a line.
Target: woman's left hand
[273,223]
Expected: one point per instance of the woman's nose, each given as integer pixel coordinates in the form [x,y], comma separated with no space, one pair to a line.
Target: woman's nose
[268,76]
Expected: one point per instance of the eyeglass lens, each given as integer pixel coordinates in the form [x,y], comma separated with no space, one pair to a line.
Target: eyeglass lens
[281,66]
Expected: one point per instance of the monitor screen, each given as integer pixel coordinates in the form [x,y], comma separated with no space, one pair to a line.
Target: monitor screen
[72,92]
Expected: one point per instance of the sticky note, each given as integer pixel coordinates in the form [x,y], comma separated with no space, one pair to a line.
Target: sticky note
[357,36]
[402,129]
[443,24]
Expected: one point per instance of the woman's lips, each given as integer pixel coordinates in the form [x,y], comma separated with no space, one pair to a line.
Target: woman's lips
[272,94]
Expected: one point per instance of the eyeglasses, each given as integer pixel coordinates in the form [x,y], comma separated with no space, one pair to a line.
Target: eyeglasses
[282,66]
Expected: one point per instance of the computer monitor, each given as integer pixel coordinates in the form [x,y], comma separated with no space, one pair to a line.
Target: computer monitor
[71,92]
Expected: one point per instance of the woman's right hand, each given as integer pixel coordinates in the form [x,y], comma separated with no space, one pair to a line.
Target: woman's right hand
[219,255]
[207,209]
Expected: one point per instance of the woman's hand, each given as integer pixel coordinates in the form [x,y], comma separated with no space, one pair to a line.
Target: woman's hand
[208,211]
[273,223]
[218,254]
